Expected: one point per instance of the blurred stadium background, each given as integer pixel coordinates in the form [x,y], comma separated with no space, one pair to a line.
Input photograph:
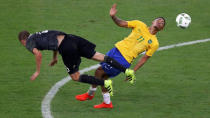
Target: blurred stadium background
[173,84]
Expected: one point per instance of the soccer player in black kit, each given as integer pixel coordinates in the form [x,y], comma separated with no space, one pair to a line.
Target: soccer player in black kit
[71,48]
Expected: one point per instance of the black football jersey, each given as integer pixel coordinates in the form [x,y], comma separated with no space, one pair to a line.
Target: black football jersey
[44,40]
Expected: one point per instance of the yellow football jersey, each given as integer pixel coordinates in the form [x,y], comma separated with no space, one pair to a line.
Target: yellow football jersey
[139,40]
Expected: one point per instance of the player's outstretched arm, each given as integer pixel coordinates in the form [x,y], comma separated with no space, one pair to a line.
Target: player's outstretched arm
[38,57]
[117,20]
[141,62]
[54,60]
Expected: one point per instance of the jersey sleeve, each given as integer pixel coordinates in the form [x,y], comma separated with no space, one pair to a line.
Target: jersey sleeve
[30,44]
[152,50]
[134,23]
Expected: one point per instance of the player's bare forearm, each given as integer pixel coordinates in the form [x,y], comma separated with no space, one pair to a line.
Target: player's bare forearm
[141,62]
[118,21]
[55,55]
[38,57]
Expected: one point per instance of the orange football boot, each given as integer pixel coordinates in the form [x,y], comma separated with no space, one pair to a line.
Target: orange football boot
[103,105]
[84,97]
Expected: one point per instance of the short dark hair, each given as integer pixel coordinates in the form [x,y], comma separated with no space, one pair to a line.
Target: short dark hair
[23,35]
[163,20]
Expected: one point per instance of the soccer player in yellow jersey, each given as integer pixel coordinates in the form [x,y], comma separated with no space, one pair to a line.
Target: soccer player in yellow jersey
[142,38]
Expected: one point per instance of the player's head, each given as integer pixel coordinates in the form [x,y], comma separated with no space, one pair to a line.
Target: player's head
[159,23]
[23,36]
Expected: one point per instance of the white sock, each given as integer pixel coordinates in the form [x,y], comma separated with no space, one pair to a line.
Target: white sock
[91,91]
[106,97]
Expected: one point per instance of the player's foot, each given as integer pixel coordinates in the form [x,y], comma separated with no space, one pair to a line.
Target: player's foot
[84,97]
[103,105]
[130,75]
[108,86]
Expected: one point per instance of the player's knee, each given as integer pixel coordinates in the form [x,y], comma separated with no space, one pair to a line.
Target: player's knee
[74,78]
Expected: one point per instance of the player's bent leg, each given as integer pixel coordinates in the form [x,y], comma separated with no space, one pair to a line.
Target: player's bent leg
[111,61]
[86,79]
[99,73]
[102,58]
[90,80]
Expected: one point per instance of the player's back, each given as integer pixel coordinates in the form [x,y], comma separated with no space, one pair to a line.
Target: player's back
[44,40]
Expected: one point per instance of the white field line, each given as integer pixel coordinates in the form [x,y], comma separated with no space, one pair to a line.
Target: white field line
[45,106]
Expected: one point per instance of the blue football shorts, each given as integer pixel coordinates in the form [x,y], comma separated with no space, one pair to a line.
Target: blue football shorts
[115,54]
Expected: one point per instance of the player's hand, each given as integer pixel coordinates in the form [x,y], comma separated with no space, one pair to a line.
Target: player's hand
[113,10]
[53,62]
[34,76]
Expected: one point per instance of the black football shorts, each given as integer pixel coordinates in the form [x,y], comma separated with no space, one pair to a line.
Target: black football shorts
[72,48]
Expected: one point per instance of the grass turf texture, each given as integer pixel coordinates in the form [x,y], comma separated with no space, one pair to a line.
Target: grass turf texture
[173,84]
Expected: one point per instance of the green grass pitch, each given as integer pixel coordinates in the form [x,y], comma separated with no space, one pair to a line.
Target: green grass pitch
[173,84]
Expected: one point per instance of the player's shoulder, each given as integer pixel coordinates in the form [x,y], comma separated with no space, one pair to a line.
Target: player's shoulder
[30,38]
[137,22]
[31,43]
